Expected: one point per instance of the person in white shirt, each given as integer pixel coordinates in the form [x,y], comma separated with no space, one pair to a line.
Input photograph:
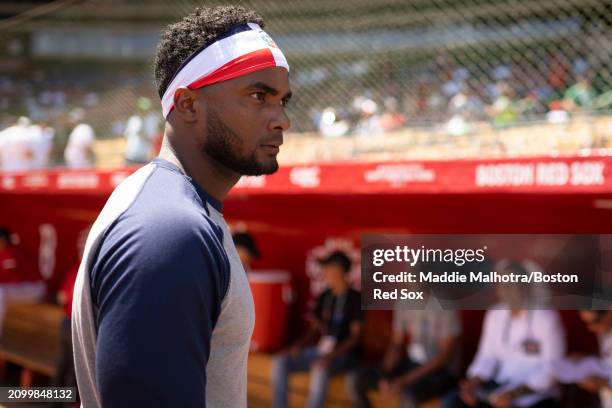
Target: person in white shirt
[600,323]
[15,146]
[140,130]
[41,140]
[79,152]
[517,350]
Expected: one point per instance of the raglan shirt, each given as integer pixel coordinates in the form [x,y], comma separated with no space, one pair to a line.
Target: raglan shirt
[162,310]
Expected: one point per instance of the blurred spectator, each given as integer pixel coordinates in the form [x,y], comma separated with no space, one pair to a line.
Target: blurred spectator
[62,129]
[558,73]
[331,125]
[140,131]
[246,248]
[464,107]
[556,113]
[65,375]
[578,96]
[599,381]
[41,137]
[79,151]
[529,105]
[16,152]
[518,347]
[391,119]
[337,318]
[19,281]
[369,122]
[502,111]
[425,370]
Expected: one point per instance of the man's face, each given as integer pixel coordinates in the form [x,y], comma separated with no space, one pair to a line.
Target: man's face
[245,120]
[599,322]
[332,274]
[245,257]
[515,295]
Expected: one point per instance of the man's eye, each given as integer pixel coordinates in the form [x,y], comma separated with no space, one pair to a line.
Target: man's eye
[260,96]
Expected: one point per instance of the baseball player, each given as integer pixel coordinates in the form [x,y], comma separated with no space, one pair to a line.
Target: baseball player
[162,312]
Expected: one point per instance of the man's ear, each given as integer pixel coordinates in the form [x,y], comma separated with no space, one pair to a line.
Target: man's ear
[185,104]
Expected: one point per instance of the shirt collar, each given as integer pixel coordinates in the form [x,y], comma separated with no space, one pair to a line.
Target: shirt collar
[204,195]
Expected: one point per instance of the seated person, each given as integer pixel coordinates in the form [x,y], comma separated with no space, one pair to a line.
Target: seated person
[600,323]
[426,369]
[20,281]
[517,349]
[65,375]
[246,248]
[337,318]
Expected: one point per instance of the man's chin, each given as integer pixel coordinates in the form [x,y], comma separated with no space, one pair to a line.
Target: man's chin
[269,167]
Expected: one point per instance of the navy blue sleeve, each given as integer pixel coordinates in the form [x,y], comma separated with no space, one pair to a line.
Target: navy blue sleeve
[157,289]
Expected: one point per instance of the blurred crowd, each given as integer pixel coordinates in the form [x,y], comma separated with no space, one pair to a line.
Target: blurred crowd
[30,145]
[48,120]
[454,97]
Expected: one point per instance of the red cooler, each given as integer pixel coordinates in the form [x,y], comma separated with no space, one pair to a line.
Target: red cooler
[272,295]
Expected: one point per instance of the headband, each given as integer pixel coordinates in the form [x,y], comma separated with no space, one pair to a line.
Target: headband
[240,51]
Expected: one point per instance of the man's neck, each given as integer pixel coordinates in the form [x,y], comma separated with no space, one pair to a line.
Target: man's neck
[516,312]
[209,174]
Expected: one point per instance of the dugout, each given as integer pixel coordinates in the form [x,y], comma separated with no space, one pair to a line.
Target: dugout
[302,211]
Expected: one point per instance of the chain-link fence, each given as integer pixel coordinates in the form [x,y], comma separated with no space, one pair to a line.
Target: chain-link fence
[358,67]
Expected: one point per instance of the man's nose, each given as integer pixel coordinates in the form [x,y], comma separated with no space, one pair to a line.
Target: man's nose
[280,120]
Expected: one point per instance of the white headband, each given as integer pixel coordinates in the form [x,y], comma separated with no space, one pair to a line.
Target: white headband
[244,50]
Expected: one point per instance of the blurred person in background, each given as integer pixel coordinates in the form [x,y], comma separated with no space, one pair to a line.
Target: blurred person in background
[62,128]
[330,123]
[600,323]
[517,349]
[391,119]
[140,131]
[427,368]
[79,150]
[464,108]
[246,248]
[502,112]
[369,121]
[65,375]
[579,96]
[19,280]
[41,137]
[16,153]
[558,74]
[337,320]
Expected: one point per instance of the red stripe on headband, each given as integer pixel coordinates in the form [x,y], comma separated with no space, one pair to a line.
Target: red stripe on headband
[245,64]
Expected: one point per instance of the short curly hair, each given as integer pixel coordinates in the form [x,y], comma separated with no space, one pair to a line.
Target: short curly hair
[194,31]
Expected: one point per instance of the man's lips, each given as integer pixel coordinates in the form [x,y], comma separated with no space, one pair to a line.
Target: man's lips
[270,148]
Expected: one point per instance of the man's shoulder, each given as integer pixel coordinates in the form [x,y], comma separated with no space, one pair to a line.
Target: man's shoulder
[160,211]
[165,227]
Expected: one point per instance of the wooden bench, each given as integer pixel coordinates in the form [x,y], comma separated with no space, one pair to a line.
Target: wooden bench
[259,388]
[31,339]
